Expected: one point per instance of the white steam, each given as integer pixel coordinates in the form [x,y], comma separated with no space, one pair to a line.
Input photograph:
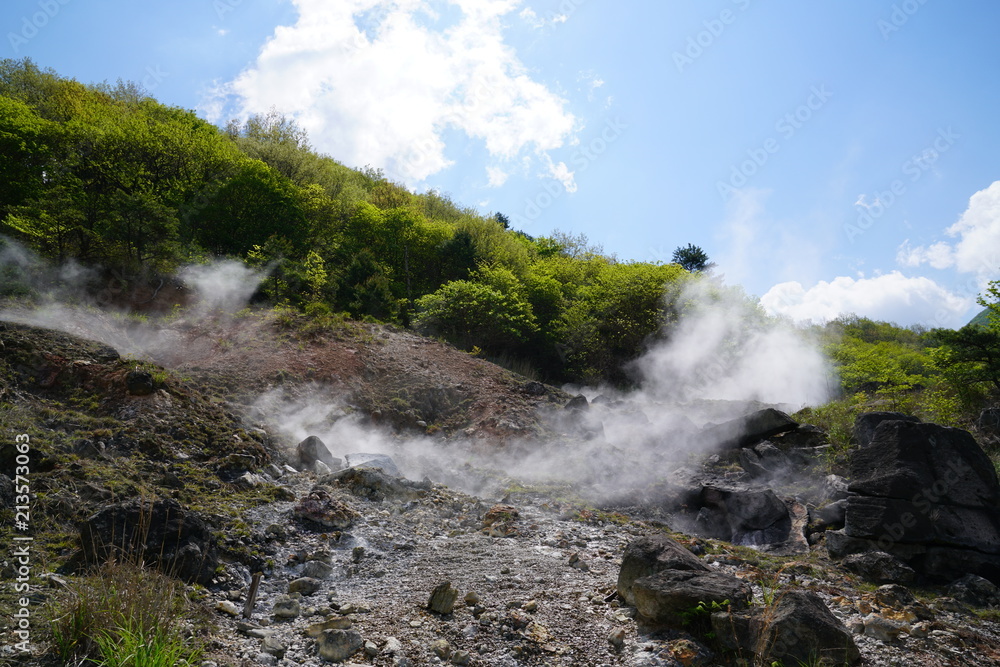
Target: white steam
[222,287]
[724,348]
[66,298]
[723,360]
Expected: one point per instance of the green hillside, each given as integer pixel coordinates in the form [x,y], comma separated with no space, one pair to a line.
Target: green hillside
[108,177]
[982,319]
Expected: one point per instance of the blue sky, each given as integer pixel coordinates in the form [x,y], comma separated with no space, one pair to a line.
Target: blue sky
[830,157]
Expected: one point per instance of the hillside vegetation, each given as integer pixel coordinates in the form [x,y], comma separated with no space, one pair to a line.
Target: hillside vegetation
[105,176]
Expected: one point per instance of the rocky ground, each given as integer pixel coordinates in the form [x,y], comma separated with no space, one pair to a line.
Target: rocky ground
[363,567]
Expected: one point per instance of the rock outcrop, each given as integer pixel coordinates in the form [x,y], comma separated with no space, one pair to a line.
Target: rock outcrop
[162,533]
[926,494]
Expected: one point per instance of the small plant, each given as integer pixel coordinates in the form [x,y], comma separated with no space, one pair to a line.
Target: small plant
[697,619]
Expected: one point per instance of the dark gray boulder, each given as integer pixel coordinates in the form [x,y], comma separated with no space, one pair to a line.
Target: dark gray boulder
[750,429]
[764,461]
[878,567]
[744,517]
[311,450]
[139,383]
[975,590]
[797,629]
[927,464]
[668,597]
[162,534]
[865,424]
[649,555]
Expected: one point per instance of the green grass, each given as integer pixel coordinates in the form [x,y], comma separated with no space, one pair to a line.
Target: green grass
[122,615]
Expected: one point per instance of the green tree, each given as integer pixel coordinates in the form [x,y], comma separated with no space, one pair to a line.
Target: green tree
[364,289]
[610,320]
[25,152]
[490,311]
[692,258]
[971,355]
[254,205]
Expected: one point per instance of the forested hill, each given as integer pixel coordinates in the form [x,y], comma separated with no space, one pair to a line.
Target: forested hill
[107,176]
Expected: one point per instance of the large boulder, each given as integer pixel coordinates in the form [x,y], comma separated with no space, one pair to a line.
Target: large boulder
[649,555]
[929,496]
[878,567]
[764,460]
[744,517]
[865,424]
[668,597]
[798,629]
[375,484]
[313,449]
[750,429]
[927,464]
[162,534]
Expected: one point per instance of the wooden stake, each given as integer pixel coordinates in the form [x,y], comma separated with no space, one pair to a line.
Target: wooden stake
[252,594]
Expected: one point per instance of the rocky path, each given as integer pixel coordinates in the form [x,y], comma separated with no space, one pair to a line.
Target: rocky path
[534,587]
[525,581]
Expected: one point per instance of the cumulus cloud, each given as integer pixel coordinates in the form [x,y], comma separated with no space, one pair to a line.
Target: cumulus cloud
[977,250]
[939,255]
[892,297]
[383,82]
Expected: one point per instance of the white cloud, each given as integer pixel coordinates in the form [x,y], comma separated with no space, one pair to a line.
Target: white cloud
[380,82]
[531,18]
[977,250]
[560,172]
[497,176]
[890,297]
[939,255]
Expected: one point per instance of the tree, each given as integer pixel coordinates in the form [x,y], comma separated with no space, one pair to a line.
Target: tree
[491,311]
[692,258]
